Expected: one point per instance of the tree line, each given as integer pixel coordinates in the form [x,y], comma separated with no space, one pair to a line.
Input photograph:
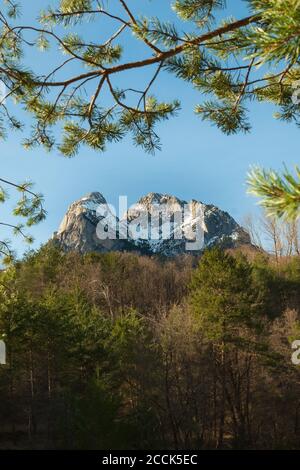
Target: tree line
[121,351]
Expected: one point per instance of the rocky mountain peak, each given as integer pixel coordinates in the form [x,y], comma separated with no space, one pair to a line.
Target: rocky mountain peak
[93,197]
[158,198]
[177,218]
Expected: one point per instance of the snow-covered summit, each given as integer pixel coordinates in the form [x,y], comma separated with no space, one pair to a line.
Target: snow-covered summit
[157,224]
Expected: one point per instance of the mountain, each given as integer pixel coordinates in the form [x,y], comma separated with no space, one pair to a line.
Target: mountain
[157,224]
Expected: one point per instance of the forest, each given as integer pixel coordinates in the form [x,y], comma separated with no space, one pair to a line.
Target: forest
[122,351]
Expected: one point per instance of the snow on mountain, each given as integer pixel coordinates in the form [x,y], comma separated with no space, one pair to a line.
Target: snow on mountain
[157,224]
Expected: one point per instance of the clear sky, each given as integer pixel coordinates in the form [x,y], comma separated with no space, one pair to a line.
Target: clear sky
[197,161]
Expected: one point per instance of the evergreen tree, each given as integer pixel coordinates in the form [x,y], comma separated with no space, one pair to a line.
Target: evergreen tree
[231,61]
[228,306]
[223,294]
[29,207]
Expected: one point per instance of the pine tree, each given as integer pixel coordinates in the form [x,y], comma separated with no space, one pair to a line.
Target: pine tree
[228,306]
[231,61]
[223,294]
[29,207]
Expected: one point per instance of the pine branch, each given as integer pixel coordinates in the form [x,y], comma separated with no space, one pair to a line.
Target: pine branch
[279,194]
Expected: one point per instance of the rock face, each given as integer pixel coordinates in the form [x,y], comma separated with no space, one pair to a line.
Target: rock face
[157,224]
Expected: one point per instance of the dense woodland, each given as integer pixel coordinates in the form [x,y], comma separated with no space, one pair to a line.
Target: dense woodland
[120,351]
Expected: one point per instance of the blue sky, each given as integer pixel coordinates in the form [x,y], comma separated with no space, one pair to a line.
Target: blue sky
[197,160]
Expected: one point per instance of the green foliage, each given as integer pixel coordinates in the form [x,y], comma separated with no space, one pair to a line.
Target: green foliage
[223,294]
[277,39]
[196,9]
[216,58]
[225,117]
[280,194]
[104,352]
[96,420]
[231,61]
[157,32]
[29,206]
